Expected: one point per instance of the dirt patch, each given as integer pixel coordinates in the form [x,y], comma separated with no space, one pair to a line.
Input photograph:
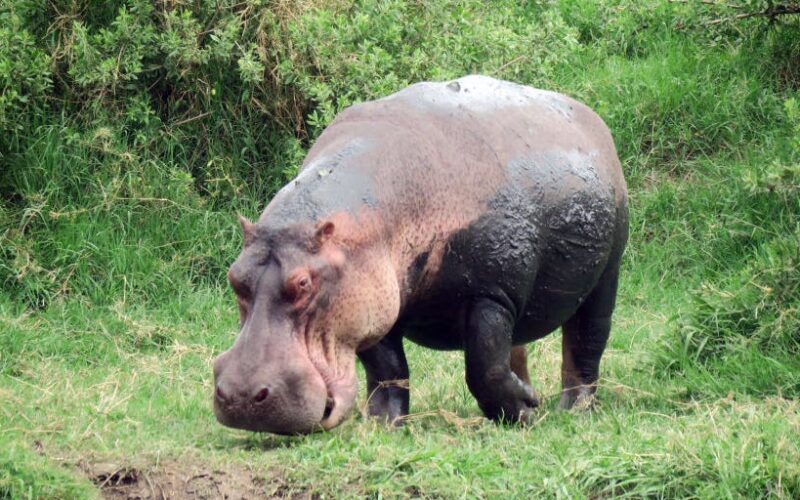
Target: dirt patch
[181,480]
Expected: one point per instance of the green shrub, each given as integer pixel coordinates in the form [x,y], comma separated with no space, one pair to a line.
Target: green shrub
[24,76]
[134,131]
[336,59]
[753,310]
[168,120]
[757,306]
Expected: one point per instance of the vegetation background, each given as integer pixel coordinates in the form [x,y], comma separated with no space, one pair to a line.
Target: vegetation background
[132,132]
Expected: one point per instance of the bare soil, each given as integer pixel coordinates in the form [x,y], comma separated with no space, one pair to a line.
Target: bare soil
[186,480]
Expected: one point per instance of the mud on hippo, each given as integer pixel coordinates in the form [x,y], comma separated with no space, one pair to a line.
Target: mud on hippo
[477,215]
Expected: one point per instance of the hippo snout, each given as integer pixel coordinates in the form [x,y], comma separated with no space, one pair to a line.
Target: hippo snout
[282,399]
[225,395]
[230,391]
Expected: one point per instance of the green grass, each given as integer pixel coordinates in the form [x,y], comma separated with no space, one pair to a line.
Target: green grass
[90,384]
[116,228]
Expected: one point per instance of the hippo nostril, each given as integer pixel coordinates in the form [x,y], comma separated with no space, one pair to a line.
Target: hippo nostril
[261,395]
[220,394]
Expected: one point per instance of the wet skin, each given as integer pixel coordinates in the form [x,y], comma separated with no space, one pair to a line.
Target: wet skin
[477,215]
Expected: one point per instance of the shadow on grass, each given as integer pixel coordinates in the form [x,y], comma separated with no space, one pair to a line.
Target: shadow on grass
[259,442]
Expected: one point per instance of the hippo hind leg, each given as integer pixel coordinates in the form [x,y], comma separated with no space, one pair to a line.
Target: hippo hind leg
[519,367]
[501,393]
[519,363]
[387,379]
[584,339]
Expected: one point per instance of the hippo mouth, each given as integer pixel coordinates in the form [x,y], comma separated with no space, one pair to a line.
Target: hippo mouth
[338,374]
[329,404]
[306,399]
[251,419]
[338,403]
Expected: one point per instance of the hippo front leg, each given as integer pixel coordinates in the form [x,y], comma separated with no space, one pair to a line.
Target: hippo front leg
[501,394]
[387,378]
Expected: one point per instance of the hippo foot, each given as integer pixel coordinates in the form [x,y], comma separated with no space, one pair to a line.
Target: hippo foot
[387,379]
[501,393]
[389,402]
[387,418]
[580,398]
[519,405]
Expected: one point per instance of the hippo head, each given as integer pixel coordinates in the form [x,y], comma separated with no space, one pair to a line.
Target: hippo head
[308,300]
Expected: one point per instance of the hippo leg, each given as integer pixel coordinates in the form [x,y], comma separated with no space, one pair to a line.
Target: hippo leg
[387,378]
[519,363]
[584,339]
[501,394]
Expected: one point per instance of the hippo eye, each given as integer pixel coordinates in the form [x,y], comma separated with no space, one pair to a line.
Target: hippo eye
[298,287]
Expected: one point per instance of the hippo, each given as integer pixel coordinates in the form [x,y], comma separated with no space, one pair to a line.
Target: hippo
[475,215]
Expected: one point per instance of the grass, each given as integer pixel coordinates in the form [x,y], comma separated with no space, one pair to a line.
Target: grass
[92,385]
[113,252]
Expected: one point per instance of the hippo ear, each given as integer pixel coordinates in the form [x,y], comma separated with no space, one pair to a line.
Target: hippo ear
[324,232]
[248,230]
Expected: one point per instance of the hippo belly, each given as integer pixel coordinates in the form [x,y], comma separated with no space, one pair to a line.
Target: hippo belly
[541,255]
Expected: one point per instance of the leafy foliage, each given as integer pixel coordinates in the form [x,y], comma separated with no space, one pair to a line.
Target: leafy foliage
[184,112]
[24,75]
[754,309]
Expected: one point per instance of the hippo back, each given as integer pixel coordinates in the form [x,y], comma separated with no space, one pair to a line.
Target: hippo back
[475,182]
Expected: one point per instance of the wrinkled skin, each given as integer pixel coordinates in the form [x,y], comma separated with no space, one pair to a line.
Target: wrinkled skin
[477,215]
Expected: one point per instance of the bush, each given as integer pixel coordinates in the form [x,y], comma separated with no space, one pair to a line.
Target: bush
[24,76]
[164,121]
[753,310]
[756,307]
[131,125]
[336,59]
